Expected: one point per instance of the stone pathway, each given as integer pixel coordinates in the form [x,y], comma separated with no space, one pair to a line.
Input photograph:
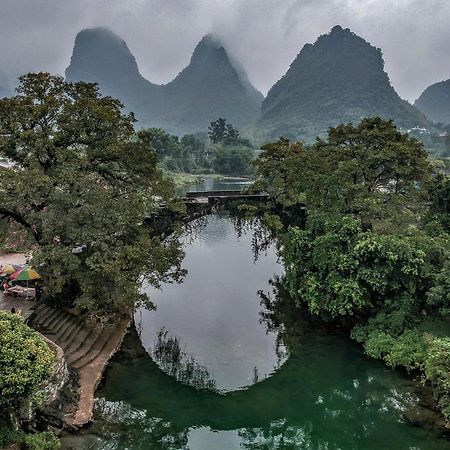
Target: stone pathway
[12,258]
[21,305]
[86,349]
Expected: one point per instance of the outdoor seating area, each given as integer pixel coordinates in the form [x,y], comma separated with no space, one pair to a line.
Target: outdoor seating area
[20,291]
[18,280]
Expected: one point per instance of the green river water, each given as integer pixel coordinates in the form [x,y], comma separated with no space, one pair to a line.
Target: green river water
[206,370]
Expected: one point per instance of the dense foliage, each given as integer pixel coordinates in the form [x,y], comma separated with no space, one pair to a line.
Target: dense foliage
[80,183]
[25,363]
[225,153]
[42,441]
[340,270]
[374,255]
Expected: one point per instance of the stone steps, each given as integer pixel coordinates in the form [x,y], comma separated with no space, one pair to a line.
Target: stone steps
[86,349]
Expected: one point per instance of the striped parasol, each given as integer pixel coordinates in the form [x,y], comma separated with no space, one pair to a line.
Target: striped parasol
[26,274]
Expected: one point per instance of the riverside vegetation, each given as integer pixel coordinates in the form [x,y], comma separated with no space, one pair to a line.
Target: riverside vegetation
[374,254]
[78,187]
[220,151]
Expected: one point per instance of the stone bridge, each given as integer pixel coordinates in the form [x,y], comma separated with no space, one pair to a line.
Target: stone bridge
[198,204]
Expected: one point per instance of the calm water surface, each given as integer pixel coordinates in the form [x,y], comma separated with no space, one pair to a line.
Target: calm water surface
[207,373]
[212,184]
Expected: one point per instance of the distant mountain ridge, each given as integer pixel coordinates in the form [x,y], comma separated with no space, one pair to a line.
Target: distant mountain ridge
[340,78]
[434,102]
[211,86]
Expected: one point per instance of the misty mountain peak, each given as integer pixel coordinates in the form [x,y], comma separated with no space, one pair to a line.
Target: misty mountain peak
[100,54]
[211,86]
[209,49]
[337,29]
[339,78]
[434,102]
[210,41]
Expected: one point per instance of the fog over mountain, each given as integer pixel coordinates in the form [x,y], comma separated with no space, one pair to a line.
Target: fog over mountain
[265,35]
[211,86]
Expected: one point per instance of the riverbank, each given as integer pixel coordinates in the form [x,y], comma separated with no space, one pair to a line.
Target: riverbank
[183,179]
[85,350]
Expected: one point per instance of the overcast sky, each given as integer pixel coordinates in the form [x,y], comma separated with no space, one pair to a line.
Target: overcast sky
[265,35]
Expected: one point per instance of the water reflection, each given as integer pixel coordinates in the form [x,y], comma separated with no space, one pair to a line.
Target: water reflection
[174,359]
[215,313]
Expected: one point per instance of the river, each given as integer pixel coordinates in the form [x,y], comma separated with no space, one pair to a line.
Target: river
[216,184]
[206,370]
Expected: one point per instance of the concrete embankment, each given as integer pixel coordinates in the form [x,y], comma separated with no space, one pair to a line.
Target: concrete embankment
[86,353]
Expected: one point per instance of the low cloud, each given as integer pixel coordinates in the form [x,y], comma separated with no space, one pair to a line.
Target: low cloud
[265,35]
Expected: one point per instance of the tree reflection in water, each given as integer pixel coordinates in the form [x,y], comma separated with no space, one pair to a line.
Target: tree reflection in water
[122,423]
[177,362]
[278,435]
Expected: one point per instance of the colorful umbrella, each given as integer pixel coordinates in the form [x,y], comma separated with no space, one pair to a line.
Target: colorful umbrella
[26,274]
[10,268]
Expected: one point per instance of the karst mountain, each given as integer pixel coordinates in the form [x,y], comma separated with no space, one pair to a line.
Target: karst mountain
[211,86]
[340,78]
[434,102]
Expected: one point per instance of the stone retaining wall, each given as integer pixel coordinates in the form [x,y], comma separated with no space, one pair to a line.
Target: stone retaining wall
[60,373]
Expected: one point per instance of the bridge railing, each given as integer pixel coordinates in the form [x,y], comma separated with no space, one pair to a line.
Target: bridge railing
[226,194]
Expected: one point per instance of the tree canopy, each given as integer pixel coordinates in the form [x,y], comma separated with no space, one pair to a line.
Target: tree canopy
[371,171]
[80,181]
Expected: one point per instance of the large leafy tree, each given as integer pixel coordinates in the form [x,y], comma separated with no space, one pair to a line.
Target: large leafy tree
[341,271]
[371,171]
[81,183]
[374,254]
[280,171]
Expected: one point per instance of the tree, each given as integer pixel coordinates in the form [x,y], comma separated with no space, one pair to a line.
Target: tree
[374,253]
[232,160]
[163,143]
[218,130]
[25,363]
[223,132]
[194,153]
[372,171]
[340,271]
[81,183]
[279,171]
[440,201]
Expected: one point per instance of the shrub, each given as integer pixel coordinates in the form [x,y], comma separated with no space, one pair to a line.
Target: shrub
[42,441]
[25,362]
